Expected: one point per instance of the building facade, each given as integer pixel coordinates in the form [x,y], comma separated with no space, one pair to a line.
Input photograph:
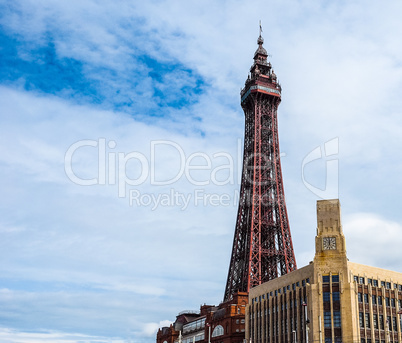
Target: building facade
[331,300]
[213,324]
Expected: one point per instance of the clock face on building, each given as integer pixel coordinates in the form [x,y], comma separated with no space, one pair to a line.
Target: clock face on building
[329,243]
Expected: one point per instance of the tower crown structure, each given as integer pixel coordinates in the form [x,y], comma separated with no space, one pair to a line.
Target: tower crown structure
[262,245]
[330,241]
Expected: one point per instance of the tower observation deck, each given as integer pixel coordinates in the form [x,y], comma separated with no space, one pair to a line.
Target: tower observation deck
[262,245]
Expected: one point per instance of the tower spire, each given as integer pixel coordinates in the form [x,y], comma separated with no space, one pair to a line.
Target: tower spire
[262,244]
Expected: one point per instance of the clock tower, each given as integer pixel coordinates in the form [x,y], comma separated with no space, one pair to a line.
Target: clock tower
[330,241]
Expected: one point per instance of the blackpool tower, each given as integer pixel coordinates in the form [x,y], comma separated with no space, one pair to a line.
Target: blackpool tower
[262,245]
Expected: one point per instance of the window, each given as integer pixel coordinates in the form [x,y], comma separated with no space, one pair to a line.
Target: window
[303,283]
[335,296]
[327,296]
[367,319]
[360,297]
[387,301]
[375,321]
[370,281]
[388,285]
[392,302]
[389,324]
[355,278]
[382,283]
[375,283]
[395,286]
[379,300]
[218,331]
[337,319]
[307,280]
[374,299]
[381,322]
[335,278]
[293,286]
[365,298]
[361,280]
[297,284]
[394,326]
[361,320]
[327,319]
[325,278]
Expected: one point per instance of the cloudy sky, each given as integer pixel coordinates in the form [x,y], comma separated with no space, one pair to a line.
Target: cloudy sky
[121,138]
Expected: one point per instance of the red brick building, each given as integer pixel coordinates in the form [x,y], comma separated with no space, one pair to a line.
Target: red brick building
[213,324]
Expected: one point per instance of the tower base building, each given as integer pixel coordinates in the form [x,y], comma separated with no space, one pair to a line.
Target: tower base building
[331,300]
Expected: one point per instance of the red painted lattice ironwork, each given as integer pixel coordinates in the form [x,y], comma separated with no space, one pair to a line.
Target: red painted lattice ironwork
[262,245]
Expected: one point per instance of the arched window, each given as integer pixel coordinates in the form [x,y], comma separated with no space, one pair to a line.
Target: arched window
[218,331]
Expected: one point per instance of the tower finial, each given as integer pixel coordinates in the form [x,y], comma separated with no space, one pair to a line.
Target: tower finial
[260,28]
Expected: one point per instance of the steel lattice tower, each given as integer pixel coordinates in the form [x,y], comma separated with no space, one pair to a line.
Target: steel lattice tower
[262,244]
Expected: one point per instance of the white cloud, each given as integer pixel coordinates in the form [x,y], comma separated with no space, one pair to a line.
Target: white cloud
[150,329]
[84,250]
[14,336]
[373,240]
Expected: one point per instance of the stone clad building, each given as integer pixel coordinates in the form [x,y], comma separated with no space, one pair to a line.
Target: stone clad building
[330,300]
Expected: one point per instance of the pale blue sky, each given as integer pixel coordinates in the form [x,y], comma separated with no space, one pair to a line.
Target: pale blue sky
[81,264]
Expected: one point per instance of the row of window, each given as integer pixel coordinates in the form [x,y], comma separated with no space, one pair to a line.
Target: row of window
[326,278]
[192,339]
[281,290]
[272,325]
[378,322]
[336,318]
[283,306]
[390,302]
[195,325]
[363,340]
[388,285]
[335,296]
[337,340]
